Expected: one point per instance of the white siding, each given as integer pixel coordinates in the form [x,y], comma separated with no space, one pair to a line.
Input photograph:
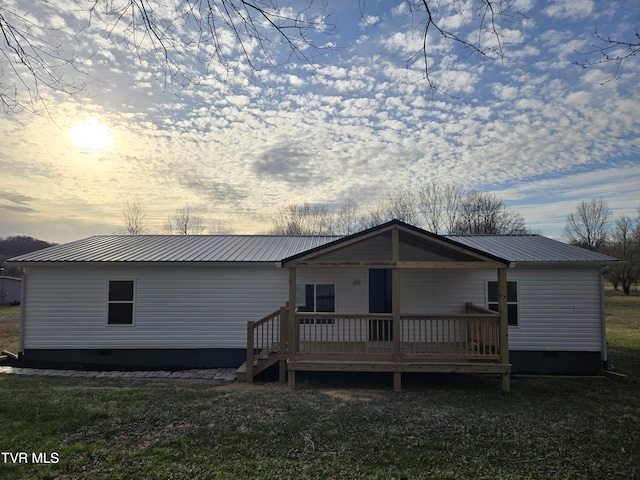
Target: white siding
[175,307]
[559,308]
[442,291]
[352,286]
[208,306]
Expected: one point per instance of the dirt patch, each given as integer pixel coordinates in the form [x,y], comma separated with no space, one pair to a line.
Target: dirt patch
[356,396]
[253,387]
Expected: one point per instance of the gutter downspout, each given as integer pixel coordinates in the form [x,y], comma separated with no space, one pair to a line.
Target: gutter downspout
[603,321]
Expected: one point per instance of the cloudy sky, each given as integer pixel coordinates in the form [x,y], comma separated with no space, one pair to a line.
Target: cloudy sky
[357,120]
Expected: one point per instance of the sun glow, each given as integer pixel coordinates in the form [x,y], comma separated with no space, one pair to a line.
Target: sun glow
[90,134]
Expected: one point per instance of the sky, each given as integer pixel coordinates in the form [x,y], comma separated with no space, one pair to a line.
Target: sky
[354,119]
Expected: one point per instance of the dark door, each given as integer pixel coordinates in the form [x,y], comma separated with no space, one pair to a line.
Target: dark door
[380,299]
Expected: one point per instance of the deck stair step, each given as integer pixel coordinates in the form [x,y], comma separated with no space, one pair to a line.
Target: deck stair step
[260,363]
[241,373]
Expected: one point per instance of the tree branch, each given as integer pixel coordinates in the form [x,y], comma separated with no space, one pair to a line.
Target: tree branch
[35,62]
[611,51]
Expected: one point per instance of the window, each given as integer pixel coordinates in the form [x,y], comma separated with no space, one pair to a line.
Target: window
[120,302]
[316,298]
[512,300]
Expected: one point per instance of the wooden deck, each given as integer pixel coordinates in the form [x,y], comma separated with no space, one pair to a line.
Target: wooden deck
[444,343]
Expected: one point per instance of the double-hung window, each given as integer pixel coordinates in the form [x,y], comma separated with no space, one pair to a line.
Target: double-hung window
[120,305]
[512,300]
[316,298]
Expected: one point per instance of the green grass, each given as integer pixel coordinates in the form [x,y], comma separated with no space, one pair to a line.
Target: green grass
[623,331]
[9,310]
[9,328]
[547,428]
[338,426]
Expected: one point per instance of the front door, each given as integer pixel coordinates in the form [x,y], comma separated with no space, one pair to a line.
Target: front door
[380,301]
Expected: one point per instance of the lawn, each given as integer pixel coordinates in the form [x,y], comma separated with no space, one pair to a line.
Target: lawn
[349,426]
[9,328]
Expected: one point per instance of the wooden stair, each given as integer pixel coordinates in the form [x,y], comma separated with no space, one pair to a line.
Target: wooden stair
[261,362]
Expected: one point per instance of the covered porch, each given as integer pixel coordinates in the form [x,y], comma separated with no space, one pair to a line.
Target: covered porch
[390,337]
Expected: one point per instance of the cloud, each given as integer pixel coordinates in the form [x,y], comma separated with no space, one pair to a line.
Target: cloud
[288,163]
[16,202]
[240,144]
[369,20]
[569,9]
[546,203]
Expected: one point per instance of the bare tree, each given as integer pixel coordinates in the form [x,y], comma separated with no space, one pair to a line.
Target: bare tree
[133,218]
[485,213]
[200,30]
[172,32]
[221,227]
[184,221]
[440,205]
[588,226]
[485,15]
[305,219]
[347,218]
[266,33]
[33,63]
[625,246]
[400,204]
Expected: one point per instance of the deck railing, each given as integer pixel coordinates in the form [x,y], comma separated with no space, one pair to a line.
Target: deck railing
[468,335]
[344,333]
[472,336]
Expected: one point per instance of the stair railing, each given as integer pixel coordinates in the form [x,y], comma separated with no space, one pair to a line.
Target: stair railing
[266,335]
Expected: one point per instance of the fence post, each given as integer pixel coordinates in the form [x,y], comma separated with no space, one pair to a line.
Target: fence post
[250,351]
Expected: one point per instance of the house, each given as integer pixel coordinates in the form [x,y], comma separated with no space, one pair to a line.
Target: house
[392,298]
[9,290]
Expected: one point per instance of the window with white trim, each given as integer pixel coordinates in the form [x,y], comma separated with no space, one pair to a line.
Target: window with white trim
[120,304]
[512,300]
[316,298]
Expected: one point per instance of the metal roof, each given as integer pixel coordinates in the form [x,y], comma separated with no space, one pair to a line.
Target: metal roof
[531,248]
[177,248]
[274,248]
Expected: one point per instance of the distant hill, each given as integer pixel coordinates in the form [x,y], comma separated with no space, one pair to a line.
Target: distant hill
[18,245]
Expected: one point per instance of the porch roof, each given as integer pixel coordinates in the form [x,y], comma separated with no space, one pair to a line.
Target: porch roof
[416,248]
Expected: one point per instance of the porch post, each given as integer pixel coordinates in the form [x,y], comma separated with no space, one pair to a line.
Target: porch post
[293,334]
[395,303]
[250,347]
[282,364]
[504,328]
